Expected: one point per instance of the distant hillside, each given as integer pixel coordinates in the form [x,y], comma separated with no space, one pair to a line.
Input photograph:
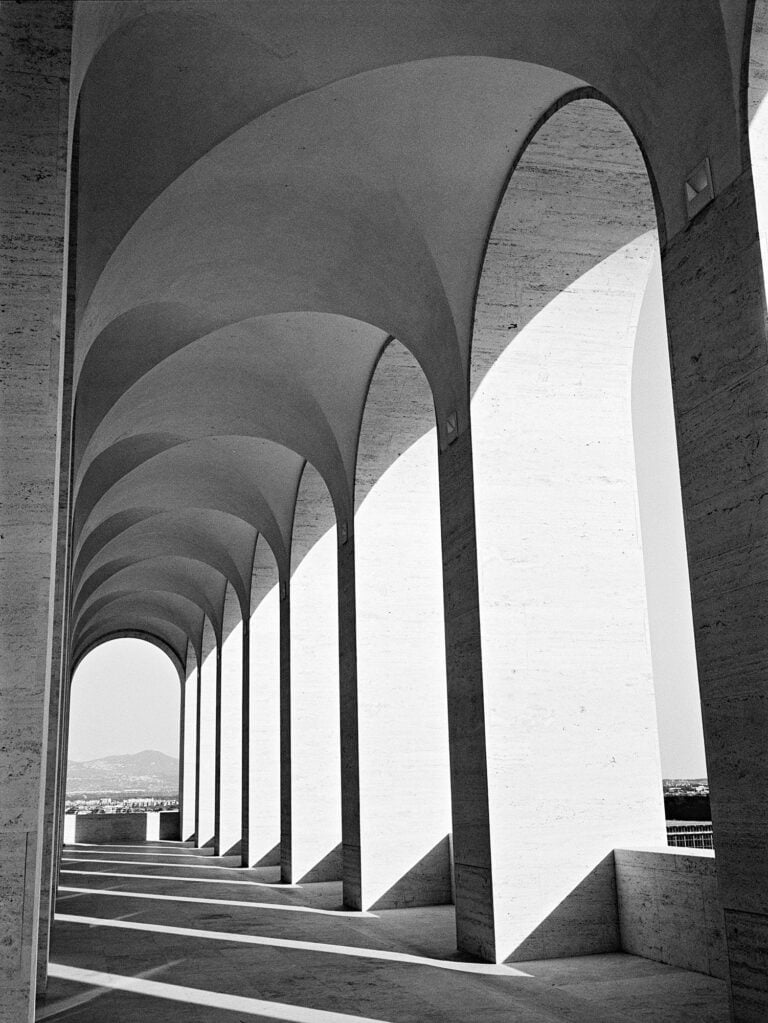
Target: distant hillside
[147,773]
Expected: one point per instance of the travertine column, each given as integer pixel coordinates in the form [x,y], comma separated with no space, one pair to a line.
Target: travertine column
[315,789]
[349,724]
[229,736]
[188,751]
[261,739]
[404,818]
[466,711]
[715,301]
[34,50]
[206,739]
[61,785]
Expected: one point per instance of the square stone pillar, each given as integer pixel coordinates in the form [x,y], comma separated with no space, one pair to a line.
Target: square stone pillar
[475,928]
[34,69]
[715,301]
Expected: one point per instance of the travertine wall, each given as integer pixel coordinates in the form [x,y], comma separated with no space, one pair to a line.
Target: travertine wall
[34,66]
[669,908]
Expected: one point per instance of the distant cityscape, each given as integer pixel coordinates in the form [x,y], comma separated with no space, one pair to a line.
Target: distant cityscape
[688,813]
[120,804]
[126,783]
[686,787]
[149,781]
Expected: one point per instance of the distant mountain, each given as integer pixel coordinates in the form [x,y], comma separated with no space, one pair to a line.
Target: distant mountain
[149,772]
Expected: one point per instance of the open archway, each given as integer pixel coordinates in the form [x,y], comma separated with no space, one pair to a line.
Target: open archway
[573,754]
[124,730]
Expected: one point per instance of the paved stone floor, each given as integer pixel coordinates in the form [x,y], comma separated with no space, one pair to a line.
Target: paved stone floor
[161,932]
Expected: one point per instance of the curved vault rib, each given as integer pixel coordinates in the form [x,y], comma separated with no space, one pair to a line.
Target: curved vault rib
[194,580]
[251,480]
[195,534]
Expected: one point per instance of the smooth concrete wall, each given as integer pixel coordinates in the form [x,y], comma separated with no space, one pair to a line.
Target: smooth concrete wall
[228,826]
[573,758]
[264,775]
[315,763]
[669,908]
[207,749]
[405,811]
[189,754]
[108,828]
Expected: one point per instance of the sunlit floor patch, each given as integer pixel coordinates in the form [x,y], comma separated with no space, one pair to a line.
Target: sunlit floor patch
[75,1001]
[487,969]
[196,996]
[279,907]
[180,877]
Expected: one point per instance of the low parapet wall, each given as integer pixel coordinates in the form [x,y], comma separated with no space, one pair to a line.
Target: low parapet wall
[108,828]
[669,909]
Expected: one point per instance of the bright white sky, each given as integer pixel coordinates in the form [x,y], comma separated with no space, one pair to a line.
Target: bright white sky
[125,698]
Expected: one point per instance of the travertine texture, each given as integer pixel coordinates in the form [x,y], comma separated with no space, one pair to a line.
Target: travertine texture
[34,66]
[264,731]
[405,812]
[669,909]
[188,754]
[206,741]
[716,321]
[573,759]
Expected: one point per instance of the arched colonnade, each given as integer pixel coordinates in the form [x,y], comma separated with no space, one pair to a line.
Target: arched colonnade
[351,437]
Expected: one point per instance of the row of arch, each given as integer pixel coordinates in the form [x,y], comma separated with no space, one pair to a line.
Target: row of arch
[235,311]
[562,597]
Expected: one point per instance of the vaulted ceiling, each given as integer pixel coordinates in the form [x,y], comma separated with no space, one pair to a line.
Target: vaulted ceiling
[267,193]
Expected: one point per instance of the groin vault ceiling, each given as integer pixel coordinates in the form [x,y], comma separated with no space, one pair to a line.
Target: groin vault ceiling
[267,194]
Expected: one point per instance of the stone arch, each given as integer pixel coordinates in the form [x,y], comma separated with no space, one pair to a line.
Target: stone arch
[566,661]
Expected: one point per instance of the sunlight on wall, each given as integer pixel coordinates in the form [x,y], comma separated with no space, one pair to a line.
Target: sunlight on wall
[264,817]
[315,731]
